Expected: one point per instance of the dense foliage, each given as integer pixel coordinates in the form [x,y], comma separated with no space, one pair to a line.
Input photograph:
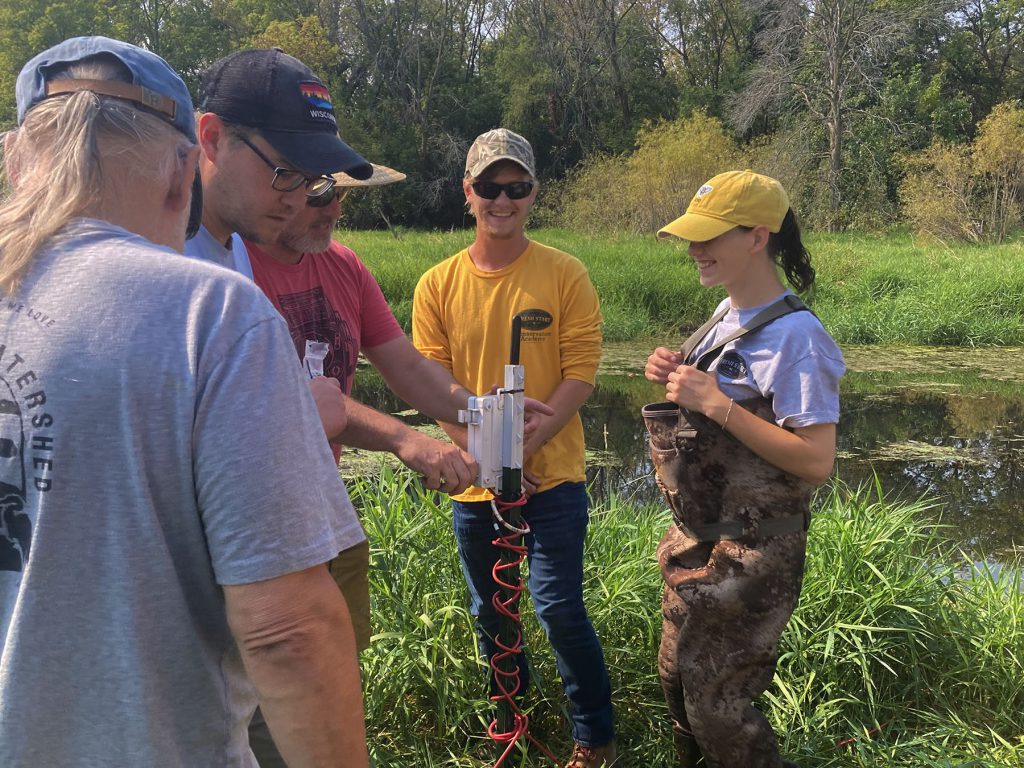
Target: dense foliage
[901,653]
[838,96]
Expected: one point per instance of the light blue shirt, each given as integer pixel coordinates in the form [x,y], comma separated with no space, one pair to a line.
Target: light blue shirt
[160,446]
[206,247]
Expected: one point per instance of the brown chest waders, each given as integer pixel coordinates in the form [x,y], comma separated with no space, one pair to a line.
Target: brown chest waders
[732,563]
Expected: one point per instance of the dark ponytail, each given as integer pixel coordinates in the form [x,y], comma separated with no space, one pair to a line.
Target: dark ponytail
[789,253]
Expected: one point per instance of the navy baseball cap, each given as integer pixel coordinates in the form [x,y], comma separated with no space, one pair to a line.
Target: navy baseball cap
[154,86]
[280,97]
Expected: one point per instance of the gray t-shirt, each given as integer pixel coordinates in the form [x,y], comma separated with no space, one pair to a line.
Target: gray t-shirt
[792,361]
[154,445]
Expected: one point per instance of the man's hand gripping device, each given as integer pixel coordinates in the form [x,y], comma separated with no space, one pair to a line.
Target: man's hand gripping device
[496,424]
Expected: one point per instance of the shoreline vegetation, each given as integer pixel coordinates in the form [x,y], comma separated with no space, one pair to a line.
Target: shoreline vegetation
[871,289]
[903,652]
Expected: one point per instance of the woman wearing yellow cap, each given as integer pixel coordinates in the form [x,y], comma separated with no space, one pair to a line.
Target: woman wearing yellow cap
[748,431]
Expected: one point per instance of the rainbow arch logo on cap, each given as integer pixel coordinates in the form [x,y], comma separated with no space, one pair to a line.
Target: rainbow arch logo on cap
[317,95]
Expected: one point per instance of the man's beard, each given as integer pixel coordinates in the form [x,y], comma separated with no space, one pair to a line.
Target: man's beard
[306,242]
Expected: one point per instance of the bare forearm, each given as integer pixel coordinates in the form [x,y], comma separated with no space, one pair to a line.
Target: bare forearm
[443,466]
[431,390]
[424,384]
[809,452]
[371,430]
[299,650]
[310,696]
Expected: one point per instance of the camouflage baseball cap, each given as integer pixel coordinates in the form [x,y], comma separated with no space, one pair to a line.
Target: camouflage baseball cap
[499,144]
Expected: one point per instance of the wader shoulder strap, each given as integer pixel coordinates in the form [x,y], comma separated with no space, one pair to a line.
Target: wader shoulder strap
[784,306]
[698,336]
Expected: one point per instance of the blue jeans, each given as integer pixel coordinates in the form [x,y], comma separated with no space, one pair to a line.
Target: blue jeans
[558,521]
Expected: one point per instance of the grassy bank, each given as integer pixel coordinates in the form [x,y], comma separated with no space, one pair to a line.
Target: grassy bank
[901,653]
[871,289]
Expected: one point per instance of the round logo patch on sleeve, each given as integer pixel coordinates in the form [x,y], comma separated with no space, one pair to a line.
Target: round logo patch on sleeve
[732,366]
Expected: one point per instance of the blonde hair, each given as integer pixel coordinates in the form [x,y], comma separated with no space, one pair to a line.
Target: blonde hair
[58,160]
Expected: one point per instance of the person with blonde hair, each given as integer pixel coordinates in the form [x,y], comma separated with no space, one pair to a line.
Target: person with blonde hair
[747,432]
[156,581]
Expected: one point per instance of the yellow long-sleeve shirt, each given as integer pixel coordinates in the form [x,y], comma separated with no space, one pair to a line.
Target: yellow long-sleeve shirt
[462,317]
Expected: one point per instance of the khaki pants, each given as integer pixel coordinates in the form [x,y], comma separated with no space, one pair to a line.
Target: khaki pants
[351,572]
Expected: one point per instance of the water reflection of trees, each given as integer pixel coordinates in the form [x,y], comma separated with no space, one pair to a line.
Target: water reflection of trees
[978,485]
[976,477]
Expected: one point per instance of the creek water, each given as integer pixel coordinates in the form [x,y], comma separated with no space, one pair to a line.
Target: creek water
[946,424]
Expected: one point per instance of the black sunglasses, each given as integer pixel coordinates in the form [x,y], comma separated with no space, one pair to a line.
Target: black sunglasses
[489,190]
[287,179]
[324,199]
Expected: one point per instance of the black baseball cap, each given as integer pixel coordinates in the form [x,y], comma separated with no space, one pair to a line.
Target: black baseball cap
[279,96]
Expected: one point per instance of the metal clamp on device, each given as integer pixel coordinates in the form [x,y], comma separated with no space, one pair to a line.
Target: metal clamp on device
[496,424]
[495,440]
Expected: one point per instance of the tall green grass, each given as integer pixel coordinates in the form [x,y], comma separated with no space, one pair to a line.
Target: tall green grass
[871,289]
[902,653]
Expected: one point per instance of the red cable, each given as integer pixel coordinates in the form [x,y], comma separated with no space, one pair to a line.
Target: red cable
[508,608]
[852,741]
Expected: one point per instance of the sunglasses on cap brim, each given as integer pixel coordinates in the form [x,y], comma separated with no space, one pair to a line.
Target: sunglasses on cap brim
[489,190]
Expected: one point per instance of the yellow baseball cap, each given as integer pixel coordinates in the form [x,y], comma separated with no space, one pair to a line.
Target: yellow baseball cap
[731,199]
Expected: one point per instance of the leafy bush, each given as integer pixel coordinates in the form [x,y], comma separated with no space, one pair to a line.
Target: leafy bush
[970,192]
[644,191]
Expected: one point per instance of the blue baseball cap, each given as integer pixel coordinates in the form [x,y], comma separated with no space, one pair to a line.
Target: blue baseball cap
[155,86]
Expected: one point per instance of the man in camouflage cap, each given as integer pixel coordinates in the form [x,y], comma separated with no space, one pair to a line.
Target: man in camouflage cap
[462,317]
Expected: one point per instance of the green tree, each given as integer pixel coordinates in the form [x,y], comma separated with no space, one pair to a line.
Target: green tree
[709,46]
[306,39]
[588,74]
[819,62]
[413,83]
[30,26]
[983,51]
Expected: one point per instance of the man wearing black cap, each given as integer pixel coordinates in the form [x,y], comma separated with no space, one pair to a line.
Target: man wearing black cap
[269,137]
[269,140]
[155,582]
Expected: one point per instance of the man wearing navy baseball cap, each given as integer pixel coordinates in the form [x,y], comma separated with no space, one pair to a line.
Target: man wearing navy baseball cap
[155,583]
[269,137]
[270,143]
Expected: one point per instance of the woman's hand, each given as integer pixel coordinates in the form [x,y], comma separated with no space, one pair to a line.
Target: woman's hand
[695,390]
[661,363]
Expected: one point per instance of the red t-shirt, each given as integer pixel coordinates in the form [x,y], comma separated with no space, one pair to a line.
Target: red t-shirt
[329,296]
